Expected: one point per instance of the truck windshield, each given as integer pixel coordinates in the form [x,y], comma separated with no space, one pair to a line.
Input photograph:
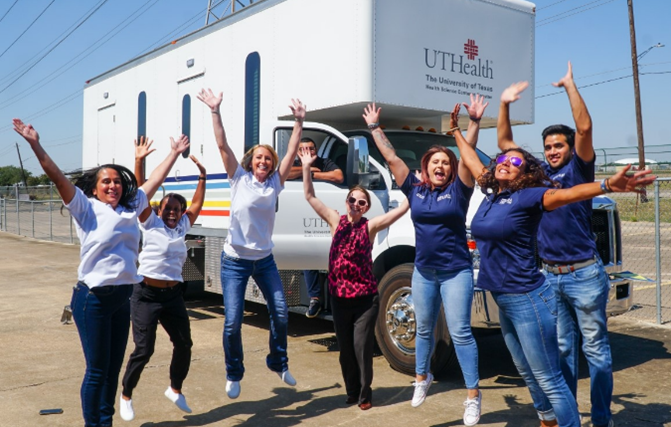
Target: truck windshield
[410,146]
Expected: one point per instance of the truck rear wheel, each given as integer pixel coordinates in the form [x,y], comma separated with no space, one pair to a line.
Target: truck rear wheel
[395,327]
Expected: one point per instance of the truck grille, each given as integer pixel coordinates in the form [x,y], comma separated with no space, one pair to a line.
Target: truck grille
[601,231]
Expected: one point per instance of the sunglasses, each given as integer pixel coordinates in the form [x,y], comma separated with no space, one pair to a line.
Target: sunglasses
[360,202]
[515,161]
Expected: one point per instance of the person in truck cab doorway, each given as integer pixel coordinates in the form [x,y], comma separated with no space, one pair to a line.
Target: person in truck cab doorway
[256,183]
[443,267]
[571,262]
[322,169]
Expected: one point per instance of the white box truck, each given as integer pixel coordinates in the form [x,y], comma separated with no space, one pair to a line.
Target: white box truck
[414,59]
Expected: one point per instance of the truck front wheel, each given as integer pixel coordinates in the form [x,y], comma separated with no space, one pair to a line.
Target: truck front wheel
[395,327]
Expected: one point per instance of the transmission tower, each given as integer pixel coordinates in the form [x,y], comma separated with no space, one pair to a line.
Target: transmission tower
[217,9]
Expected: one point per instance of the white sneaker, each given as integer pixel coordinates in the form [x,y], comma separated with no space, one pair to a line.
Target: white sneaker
[178,399]
[421,390]
[287,377]
[126,409]
[472,411]
[233,389]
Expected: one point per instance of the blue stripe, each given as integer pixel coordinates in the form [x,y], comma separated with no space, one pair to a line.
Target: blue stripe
[188,186]
[195,177]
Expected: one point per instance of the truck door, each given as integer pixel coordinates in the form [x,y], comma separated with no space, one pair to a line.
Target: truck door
[302,239]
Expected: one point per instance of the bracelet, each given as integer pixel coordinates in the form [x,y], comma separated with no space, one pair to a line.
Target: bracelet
[202,178]
[299,120]
[605,187]
[454,129]
[610,190]
[312,175]
[373,126]
[215,112]
[473,119]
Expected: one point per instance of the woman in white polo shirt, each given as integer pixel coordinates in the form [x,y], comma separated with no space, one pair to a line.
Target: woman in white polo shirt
[256,183]
[105,204]
[159,297]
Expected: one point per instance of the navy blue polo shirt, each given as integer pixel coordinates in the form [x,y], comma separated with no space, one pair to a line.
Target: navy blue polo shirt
[439,216]
[565,234]
[505,228]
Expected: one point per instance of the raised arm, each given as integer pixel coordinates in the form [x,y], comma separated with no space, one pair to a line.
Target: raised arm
[383,221]
[298,109]
[142,150]
[214,102]
[583,122]
[335,176]
[469,157]
[398,167]
[327,214]
[504,131]
[161,172]
[199,195]
[618,183]
[476,110]
[65,188]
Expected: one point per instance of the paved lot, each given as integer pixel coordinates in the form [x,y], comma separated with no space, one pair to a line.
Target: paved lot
[41,366]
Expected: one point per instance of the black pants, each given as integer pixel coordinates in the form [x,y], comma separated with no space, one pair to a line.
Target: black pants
[150,305]
[354,321]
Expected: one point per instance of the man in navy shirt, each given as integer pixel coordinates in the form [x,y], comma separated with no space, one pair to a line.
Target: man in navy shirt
[325,170]
[567,247]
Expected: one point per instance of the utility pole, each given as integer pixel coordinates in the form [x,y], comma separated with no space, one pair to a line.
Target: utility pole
[23,173]
[637,93]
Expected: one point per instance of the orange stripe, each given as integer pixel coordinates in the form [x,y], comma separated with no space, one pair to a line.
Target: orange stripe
[215,213]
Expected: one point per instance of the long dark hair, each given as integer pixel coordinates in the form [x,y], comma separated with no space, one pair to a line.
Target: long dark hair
[532,176]
[454,165]
[89,179]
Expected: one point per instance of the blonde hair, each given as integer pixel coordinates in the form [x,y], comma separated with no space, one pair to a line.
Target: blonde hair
[246,162]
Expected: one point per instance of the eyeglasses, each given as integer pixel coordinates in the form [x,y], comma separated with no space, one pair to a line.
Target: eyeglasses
[515,161]
[360,202]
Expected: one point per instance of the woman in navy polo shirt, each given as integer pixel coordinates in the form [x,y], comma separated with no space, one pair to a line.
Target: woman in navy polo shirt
[443,267]
[105,203]
[505,228]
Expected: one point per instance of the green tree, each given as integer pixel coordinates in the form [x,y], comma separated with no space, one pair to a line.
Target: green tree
[10,175]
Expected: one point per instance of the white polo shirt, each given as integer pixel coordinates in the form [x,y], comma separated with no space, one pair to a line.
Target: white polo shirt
[163,248]
[110,239]
[252,215]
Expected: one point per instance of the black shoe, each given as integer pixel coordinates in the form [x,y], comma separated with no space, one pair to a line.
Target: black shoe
[314,308]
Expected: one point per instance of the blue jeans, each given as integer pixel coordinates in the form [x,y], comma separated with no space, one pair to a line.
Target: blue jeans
[311,278]
[529,327]
[102,316]
[235,273]
[581,310]
[455,290]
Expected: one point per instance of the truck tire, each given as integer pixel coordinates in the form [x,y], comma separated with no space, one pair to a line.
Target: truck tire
[395,326]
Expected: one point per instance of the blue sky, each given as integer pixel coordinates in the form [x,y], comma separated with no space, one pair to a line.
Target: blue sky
[593,34]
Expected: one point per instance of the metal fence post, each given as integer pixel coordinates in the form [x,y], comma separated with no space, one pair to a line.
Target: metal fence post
[51,220]
[18,217]
[658,255]
[32,216]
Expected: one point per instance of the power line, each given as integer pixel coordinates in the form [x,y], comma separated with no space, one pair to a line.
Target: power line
[572,14]
[28,28]
[168,36]
[550,5]
[602,82]
[10,8]
[55,46]
[69,64]
[612,71]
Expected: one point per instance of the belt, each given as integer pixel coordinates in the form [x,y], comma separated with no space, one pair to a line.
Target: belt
[567,268]
[157,283]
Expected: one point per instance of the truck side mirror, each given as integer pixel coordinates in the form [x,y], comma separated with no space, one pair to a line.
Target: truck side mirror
[358,165]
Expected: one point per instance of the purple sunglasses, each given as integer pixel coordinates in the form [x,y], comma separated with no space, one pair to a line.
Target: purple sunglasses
[515,161]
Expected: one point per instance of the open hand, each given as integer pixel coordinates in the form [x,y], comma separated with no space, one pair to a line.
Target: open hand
[477,108]
[26,131]
[210,99]
[454,116]
[512,92]
[143,148]
[298,109]
[307,158]
[621,183]
[371,114]
[180,145]
[200,166]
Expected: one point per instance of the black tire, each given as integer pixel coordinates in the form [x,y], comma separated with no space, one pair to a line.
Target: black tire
[395,330]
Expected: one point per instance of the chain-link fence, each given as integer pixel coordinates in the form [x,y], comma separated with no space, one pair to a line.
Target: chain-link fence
[36,212]
[646,245]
